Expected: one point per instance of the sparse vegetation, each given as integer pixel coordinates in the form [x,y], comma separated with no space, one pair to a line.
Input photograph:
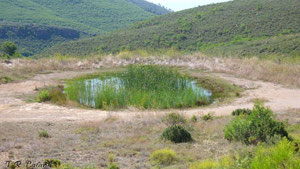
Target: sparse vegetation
[53,163]
[259,126]
[174,119]
[207,117]
[163,157]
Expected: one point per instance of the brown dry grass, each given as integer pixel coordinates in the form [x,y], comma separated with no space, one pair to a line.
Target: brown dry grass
[287,74]
[131,142]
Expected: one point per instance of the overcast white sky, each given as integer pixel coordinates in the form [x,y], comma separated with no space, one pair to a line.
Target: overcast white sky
[178,5]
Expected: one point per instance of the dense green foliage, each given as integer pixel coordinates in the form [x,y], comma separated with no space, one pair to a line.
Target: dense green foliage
[141,86]
[231,25]
[9,48]
[259,126]
[163,157]
[176,134]
[38,24]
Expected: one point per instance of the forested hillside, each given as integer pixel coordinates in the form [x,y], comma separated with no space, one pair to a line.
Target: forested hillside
[90,17]
[225,25]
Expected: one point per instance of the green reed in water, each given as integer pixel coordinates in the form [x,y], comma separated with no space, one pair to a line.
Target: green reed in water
[141,86]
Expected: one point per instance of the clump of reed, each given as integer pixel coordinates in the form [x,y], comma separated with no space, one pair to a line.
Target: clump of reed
[141,86]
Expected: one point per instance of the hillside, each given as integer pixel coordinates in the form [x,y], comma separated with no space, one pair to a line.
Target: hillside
[204,28]
[90,17]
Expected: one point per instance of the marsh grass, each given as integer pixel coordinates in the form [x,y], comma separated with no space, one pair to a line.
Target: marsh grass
[141,86]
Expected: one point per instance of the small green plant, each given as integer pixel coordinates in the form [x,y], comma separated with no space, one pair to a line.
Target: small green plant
[43,134]
[112,166]
[174,119]
[176,134]
[207,117]
[163,157]
[53,163]
[259,126]
[194,119]
[238,112]
[43,96]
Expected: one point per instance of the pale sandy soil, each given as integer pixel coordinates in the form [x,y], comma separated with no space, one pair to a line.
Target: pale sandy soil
[13,108]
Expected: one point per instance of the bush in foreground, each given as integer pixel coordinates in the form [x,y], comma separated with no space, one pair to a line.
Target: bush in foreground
[176,134]
[163,157]
[259,126]
[279,156]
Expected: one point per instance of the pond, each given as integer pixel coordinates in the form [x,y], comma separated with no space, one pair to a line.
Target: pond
[144,87]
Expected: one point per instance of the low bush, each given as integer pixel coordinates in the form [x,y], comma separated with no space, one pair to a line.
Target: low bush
[53,163]
[176,134]
[57,95]
[112,166]
[207,117]
[163,157]
[174,119]
[194,119]
[43,134]
[238,112]
[259,126]
[43,96]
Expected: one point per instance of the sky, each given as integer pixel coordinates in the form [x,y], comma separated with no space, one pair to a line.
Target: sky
[178,5]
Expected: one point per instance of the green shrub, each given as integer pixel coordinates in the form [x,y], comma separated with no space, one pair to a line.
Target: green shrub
[163,157]
[238,112]
[194,119]
[259,126]
[280,156]
[112,166]
[43,134]
[207,117]
[43,96]
[174,119]
[176,134]
[53,163]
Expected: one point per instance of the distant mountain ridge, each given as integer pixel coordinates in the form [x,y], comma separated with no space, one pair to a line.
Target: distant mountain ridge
[89,17]
[204,28]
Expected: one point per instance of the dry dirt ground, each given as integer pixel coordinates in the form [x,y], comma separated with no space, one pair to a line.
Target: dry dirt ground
[84,136]
[14,109]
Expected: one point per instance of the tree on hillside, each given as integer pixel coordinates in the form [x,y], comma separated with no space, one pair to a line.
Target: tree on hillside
[9,48]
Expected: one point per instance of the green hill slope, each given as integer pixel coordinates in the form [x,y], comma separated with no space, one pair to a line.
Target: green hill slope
[203,28]
[89,17]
